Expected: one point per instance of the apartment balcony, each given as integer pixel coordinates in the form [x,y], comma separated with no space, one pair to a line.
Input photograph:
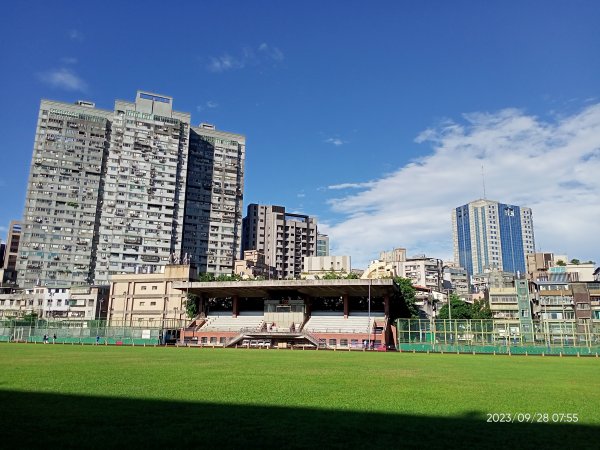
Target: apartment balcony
[504,306]
[506,315]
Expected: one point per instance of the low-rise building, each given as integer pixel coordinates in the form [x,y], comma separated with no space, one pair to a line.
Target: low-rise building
[88,302]
[17,302]
[458,280]
[253,265]
[555,309]
[316,266]
[379,269]
[150,298]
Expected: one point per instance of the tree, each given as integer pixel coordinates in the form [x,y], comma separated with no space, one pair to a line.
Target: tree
[481,309]
[407,300]
[206,277]
[460,309]
[575,261]
[463,310]
[561,263]
[232,277]
[27,319]
[331,275]
[191,305]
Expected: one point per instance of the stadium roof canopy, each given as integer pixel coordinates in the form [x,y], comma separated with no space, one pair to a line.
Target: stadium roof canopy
[277,288]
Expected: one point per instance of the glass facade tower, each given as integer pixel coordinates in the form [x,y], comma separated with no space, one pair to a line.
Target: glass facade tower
[491,235]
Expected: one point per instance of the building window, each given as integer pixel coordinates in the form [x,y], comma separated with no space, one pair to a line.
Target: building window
[583,306]
[142,303]
[154,288]
[143,288]
[152,303]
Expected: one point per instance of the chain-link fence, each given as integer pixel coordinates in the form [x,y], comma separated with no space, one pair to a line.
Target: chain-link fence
[88,332]
[496,336]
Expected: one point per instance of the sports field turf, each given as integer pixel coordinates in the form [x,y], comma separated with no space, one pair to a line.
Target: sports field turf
[56,396]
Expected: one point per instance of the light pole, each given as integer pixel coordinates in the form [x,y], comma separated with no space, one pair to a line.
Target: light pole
[441,267]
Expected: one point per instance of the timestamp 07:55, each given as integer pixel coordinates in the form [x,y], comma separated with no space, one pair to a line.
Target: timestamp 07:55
[535,417]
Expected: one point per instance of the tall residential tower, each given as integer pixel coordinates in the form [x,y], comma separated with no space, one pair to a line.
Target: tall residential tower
[491,235]
[284,238]
[107,193]
[213,215]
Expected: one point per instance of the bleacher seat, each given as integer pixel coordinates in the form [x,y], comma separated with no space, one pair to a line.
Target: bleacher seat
[225,321]
[334,322]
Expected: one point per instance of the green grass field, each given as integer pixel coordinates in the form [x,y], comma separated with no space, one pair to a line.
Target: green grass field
[104,397]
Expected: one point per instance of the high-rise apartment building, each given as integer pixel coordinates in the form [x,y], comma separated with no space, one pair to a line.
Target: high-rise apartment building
[489,235]
[107,192]
[63,195]
[8,272]
[322,245]
[284,238]
[213,215]
[143,184]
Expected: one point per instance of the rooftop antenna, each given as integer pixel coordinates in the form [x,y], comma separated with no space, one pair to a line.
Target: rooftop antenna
[483,181]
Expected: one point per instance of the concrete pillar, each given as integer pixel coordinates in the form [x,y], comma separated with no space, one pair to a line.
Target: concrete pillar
[236,306]
[308,304]
[202,304]
[386,305]
[346,306]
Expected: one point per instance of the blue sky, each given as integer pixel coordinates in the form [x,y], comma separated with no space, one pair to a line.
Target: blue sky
[375,117]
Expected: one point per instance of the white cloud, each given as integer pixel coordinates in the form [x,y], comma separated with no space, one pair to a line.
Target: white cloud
[335,141]
[225,62]
[350,185]
[210,104]
[248,57]
[551,167]
[272,53]
[63,78]
[76,35]
[68,60]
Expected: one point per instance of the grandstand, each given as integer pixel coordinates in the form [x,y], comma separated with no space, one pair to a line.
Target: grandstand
[226,322]
[332,314]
